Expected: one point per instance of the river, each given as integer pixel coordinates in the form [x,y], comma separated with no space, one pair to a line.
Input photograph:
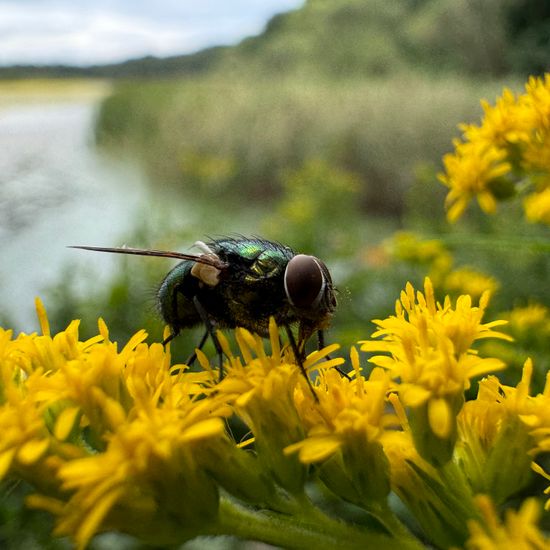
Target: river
[56,189]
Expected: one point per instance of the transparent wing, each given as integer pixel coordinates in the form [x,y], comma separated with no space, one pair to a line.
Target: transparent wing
[206,259]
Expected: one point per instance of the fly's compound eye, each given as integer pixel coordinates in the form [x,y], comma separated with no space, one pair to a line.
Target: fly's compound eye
[305,282]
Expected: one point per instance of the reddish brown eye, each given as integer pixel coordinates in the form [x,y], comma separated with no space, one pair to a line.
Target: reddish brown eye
[304,281]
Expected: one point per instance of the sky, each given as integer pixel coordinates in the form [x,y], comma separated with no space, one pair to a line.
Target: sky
[88,32]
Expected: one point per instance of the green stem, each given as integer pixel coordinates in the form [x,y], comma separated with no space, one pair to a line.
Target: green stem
[385,515]
[312,529]
[502,242]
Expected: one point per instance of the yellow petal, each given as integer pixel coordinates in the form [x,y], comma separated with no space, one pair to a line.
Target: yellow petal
[374,345]
[139,337]
[414,396]
[42,317]
[315,449]
[382,361]
[114,412]
[456,210]
[487,202]
[65,422]
[41,502]
[90,525]
[204,429]
[31,451]
[316,356]
[486,365]
[439,417]
[539,470]
[203,360]
[6,459]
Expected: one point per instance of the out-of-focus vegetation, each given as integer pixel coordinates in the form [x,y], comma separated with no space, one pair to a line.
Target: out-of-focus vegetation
[219,135]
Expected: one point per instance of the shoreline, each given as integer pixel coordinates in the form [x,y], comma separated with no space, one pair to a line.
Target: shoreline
[26,91]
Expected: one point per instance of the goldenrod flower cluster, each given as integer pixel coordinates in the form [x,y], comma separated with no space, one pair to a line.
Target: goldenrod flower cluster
[122,440]
[508,153]
[435,259]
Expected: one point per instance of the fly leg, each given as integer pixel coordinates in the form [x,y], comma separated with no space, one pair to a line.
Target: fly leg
[210,332]
[321,345]
[298,354]
[173,333]
[193,356]
[201,343]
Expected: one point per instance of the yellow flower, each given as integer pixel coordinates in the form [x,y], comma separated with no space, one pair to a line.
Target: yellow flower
[429,352]
[515,430]
[28,437]
[537,206]
[349,409]
[518,531]
[537,100]
[530,328]
[121,440]
[472,171]
[265,390]
[466,280]
[149,460]
[535,414]
[431,253]
[439,499]
[534,317]
[509,148]
[493,445]
[25,439]
[535,159]
[102,433]
[350,421]
[503,124]
[407,246]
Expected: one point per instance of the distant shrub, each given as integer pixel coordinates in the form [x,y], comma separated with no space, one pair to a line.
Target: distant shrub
[225,135]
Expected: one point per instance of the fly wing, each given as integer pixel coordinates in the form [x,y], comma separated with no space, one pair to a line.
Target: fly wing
[206,259]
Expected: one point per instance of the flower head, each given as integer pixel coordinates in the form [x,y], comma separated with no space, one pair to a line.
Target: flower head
[473,170]
[501,432]
[519,530]
[496,159]
[348,426]
[121,439]
[106,433]
[439,501]
[428,347]
[466,280]
[265,389]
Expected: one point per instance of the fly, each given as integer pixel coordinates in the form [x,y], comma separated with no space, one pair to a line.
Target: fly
[243,282]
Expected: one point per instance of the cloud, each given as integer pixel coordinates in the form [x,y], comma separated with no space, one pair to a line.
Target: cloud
[83,33]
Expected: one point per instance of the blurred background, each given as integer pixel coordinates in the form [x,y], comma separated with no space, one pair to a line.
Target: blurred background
[318,123]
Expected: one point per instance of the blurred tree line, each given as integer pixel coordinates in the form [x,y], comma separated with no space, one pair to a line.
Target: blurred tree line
[364,37]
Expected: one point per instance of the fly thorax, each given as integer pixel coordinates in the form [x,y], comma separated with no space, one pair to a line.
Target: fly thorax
[207,274]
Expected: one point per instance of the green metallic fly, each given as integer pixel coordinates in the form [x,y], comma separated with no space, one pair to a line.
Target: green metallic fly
[243,282]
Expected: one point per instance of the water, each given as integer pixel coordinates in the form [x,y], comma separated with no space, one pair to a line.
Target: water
[56,190]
